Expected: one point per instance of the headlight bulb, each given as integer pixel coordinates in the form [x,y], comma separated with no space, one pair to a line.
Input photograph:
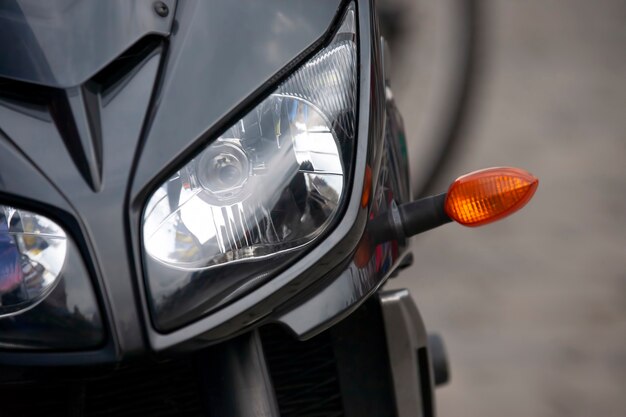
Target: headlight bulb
[223,171]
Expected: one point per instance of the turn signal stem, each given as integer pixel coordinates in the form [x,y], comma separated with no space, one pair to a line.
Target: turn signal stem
[424,214]
[409,219]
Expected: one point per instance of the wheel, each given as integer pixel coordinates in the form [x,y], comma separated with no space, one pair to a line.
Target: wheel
[434,46]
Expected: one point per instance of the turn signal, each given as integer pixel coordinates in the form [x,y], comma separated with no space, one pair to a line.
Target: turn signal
[488,195]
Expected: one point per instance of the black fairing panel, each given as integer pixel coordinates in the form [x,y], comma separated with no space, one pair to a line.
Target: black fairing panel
[58,132]
[85,150]
[63,43]
[87,155]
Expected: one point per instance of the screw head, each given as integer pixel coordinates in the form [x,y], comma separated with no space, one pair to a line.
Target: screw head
[161,8]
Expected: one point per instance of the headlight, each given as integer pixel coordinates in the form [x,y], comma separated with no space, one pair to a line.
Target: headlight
[32,253]
[259,195]
[46,300]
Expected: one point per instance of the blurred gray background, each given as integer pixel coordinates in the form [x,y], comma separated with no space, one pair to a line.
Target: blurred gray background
[533,309]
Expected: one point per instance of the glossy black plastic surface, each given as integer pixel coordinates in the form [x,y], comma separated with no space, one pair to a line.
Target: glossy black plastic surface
[87,154]
[62,43]
[58,132]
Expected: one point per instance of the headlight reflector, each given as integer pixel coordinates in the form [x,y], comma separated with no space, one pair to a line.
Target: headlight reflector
[259,195]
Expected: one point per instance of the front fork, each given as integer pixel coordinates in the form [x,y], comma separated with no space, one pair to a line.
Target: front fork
[237,380]
[410,355]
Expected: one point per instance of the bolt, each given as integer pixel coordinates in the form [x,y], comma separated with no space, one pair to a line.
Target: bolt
[161,8]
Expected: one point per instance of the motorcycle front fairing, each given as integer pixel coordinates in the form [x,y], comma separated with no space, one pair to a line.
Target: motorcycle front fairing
[101,101]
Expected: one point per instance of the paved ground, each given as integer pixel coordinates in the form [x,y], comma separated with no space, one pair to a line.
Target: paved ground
[533,309]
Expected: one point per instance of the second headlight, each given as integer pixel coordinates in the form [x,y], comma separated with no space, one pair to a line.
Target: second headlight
[259,195]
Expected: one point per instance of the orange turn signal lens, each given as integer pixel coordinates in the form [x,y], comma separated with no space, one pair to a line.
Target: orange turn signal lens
[488,195]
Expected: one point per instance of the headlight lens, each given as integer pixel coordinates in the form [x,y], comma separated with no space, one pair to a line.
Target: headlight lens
[259,194]
[46,299]
[248,196]
[32,253]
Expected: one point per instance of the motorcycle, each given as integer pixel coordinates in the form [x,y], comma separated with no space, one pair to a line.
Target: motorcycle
[200,204]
